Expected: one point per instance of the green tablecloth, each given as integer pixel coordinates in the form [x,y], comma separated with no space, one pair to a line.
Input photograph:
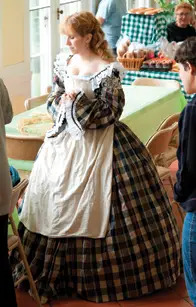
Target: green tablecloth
[12,128]
[169,75]
[144,29]
[147,106]
[144,109]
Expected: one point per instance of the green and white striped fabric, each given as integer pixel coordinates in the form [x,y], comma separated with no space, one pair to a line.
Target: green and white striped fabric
[144,29]
[169,75]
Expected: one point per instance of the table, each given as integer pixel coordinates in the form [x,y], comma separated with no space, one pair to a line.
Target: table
[144,29]
[147,106]
[12,129]
[169,75]
[144,110]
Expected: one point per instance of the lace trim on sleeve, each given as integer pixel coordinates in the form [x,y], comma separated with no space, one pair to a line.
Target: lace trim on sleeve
[67,120]
[111,70]
[73,125]
[60,64]
[59,123]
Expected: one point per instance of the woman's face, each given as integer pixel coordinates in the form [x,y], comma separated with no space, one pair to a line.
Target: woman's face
[76,43]
[183,17]
[188,78]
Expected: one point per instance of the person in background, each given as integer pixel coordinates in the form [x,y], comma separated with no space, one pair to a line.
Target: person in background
[185,187]
[7,293]
[182,28]
[109,14]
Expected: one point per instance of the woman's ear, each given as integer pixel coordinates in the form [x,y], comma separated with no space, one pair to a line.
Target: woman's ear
[88,38]
[192,68]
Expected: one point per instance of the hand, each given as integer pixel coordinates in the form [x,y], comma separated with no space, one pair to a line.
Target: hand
[67,97]
[71,96]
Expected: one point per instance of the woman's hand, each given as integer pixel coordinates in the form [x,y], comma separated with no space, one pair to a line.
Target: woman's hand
[67,97]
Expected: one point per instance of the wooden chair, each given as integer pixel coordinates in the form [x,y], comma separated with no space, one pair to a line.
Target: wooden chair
[170,155]
[31,103]
[23,147]
[15,242]
[157,145]
[157,82]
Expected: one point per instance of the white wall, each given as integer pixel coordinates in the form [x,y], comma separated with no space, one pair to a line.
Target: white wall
[14,50]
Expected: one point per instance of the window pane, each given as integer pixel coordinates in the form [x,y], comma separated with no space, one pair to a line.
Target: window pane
[68,9]
[67,1]
[40,46]
[37,3]
[34,32]
[35,79]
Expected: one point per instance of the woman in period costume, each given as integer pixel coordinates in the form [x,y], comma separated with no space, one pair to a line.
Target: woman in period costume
[96,220]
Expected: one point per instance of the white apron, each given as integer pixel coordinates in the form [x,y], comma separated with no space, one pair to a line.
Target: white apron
[69,193]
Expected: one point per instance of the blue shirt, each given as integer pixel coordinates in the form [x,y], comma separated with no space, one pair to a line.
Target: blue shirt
[112,11]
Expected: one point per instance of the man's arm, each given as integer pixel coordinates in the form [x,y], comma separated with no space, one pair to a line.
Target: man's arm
[104,10]
[5,103]
[100,20]
[186,174]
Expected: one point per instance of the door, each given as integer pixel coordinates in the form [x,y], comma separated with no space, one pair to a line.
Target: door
[45,40]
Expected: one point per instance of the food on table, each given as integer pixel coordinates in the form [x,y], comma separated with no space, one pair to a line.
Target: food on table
[152,64]
[37,124]
[145,11]
[136,53]
[158,64]
[175,67]
[123,47]
[129,55]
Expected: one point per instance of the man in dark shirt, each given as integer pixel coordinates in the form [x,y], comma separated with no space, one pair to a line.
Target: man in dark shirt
[185,187]
[181,29]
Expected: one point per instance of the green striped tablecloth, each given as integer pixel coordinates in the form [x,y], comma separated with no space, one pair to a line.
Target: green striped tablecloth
[144,29]
[169,75]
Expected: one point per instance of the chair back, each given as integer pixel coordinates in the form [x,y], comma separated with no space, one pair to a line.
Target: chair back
[167,122]
[157,82]
[159,141]
[31,103]
[17,192]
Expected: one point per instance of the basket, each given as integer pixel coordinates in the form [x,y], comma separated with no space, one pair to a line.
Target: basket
[131,63]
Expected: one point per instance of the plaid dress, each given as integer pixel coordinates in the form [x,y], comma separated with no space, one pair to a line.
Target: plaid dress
[140,253]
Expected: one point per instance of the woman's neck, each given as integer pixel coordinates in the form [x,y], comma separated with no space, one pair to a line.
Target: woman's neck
[180,26]
[87,56]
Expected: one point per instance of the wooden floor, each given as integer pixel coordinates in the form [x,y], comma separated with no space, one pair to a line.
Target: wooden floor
[173,297]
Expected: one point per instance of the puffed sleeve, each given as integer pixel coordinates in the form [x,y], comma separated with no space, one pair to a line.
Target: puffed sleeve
[99,112]
[55,97]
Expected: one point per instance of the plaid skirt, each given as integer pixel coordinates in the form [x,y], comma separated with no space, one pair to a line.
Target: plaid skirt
[140,253]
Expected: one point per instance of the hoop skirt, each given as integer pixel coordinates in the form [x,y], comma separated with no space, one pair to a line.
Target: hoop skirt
[140,251]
